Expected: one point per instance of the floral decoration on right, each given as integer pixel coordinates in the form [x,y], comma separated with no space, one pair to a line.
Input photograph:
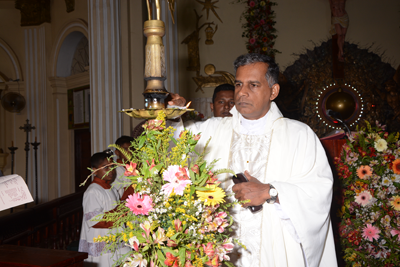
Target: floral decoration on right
[369,172]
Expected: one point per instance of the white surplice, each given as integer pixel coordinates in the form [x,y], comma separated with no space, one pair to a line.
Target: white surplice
[287,154]
[97,200]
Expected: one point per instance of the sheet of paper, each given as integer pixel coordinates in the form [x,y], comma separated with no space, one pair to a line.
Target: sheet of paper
[13,191]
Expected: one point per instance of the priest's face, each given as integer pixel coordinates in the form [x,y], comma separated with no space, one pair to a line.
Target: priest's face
[253,95]
[106,171]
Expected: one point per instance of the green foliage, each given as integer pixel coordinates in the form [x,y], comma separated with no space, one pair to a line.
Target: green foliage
[259,26]
[175,221]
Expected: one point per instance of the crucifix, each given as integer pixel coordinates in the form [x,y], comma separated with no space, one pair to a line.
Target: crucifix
[35,147]
[27,128]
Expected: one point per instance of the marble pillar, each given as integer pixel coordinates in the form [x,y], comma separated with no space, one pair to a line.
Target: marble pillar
[105,72]
[36,107]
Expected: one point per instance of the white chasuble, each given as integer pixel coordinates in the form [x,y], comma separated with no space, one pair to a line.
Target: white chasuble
[288,155]
[250,152]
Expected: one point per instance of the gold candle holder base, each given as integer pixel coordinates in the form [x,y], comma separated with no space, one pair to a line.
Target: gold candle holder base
[170,113]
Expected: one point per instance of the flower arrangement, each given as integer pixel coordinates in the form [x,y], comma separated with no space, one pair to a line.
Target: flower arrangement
[178,215]
[369,171]
[259,26]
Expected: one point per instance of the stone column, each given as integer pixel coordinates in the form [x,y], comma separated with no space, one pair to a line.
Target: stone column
[36,105]
[105,72]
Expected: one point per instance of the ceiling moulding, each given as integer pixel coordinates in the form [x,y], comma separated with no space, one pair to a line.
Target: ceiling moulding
[33,12]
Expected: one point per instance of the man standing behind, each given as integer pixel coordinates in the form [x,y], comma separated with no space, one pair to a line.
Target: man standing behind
[223,100]
[287,169]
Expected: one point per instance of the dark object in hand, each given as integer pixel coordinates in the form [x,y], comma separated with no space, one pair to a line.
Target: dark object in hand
[240,178]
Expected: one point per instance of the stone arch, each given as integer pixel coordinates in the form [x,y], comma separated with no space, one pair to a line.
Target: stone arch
[64,49]
[3,77]
[16,66]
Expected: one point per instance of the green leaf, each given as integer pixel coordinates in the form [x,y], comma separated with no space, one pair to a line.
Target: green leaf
[198,188]
[139,236]
[202,180]
[159,144]
[182,255]
[161,258]
[175,236]
[228,264]
[166,249]
[202,166]
[391,138]
[174,140]
[141,142]
[192,190]
[192,176]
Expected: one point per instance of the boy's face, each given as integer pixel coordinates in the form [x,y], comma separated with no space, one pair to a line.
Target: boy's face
[120,155]
[102,172]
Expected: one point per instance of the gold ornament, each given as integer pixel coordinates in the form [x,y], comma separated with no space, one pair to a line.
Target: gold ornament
[210,33]
[208,5]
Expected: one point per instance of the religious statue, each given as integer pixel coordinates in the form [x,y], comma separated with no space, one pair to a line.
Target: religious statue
[340,23]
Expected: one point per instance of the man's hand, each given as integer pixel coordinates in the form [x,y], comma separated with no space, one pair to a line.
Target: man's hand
[176,100]
[254,190]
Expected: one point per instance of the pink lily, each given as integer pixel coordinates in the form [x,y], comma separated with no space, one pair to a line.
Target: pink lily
[146,226]
[133,243]
[178,225]
[131,169]
[208,250]
[171,243]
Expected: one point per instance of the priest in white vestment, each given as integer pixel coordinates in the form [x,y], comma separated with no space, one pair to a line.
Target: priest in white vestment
[287,168]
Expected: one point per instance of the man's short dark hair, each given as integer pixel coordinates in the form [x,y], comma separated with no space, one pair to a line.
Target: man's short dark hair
[222,87]
[272,74]
[98,158]
[124,140]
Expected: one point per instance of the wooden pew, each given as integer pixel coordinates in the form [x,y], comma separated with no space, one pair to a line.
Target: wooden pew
[54,224]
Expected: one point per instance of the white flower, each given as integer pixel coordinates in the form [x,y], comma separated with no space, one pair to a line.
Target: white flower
[380,145]
[133,243]
[386,181]
[386,221]
[136,261]
[392,189]
[139,179]
[396,178]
